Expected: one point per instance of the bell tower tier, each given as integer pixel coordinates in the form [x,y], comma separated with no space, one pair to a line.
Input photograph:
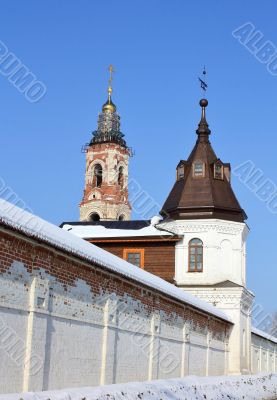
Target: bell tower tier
[107,160]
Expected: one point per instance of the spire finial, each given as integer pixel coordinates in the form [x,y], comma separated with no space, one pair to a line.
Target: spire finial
[203,130]
[109,106]
[111,71]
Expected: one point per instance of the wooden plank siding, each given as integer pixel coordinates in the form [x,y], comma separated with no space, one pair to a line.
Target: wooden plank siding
[159,256]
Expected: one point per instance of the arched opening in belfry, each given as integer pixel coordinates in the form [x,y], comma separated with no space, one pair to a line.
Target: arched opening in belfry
[121,217]
[94,217]
[97,175]
[120,177]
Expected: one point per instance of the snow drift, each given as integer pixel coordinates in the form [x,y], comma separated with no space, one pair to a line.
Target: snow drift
[249,387]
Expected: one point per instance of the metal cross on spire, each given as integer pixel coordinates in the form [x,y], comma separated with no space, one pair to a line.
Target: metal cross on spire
[203,83]
[111,71]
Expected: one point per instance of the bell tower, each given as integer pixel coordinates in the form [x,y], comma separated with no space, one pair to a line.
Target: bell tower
[106,178]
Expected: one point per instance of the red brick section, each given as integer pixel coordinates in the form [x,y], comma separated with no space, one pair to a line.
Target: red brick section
[101,152]
[67,269]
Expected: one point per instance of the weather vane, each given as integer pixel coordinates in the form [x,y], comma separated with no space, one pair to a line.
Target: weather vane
[203,83]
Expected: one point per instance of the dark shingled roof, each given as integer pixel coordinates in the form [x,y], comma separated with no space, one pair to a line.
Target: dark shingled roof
[206,197]
[138,224]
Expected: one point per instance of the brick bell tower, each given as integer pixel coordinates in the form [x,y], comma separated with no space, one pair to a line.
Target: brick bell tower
[107,158]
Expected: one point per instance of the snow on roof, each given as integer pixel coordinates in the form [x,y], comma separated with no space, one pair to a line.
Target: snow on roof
[98,231]
[117,224]
[115,229]
[35,227]
[263,334]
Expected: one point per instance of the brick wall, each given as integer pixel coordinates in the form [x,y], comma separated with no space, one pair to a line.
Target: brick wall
[65,322]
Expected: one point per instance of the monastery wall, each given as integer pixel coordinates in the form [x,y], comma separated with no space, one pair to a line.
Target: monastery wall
[73,315]
[67,322]
[263,352]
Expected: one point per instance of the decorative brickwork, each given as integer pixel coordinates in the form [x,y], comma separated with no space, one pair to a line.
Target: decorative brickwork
[107,199]
[67,271]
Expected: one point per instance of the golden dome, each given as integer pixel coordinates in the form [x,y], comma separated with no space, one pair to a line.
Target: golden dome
[109,106]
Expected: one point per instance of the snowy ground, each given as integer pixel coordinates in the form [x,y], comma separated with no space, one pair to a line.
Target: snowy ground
[256,387]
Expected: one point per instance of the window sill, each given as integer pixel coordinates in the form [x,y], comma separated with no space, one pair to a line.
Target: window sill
[195,272]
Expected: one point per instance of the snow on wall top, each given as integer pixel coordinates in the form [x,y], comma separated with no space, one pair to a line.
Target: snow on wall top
[35,227]
[264,335]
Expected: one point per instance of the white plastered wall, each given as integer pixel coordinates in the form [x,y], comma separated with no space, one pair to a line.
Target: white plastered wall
[66,337]
[223,279]
[264,355]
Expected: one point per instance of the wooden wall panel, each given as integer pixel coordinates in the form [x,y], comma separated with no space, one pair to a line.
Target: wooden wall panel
[159,256]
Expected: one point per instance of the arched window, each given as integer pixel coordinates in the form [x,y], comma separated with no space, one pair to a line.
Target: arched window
[94,217]
[121,217]
[195,255]
[97,175]
[120,178]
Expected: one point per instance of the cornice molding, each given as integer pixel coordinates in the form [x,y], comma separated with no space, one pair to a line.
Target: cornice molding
[182,227]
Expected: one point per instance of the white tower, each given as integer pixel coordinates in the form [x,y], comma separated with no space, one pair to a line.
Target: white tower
[211,259]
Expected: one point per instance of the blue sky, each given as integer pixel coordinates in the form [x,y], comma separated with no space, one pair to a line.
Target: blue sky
[158,49]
